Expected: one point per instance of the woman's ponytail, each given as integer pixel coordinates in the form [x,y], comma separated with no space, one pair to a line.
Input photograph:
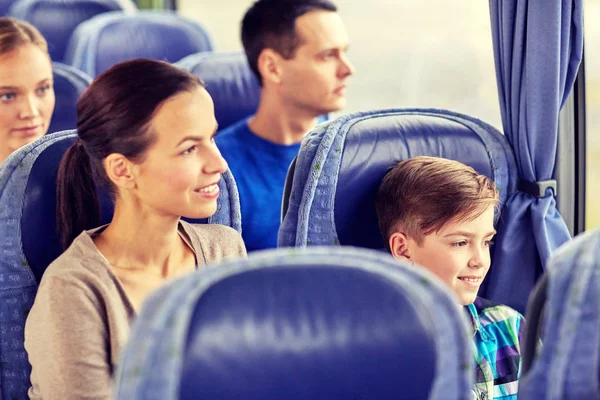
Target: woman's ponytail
[77,202]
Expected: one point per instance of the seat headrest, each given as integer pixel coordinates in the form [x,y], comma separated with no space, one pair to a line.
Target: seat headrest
[69,85]
[5,6]
[308,324]
[57,19]
[110,38]
[230,82]
[568,364]
[28,203]
[341,164]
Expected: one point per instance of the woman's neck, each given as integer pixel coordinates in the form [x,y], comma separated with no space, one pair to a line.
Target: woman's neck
[138,238]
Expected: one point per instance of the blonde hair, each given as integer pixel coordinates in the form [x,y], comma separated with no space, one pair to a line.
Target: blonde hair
[420,195]
[15,33]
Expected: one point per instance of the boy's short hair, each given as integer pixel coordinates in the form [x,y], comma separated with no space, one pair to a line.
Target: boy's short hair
[271,24]
[420,195]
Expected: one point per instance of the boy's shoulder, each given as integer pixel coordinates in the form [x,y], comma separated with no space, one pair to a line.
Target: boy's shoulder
[496,319]
[490,312]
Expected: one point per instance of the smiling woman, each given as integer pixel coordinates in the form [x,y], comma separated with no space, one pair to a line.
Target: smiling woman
[146,133]
[26,93]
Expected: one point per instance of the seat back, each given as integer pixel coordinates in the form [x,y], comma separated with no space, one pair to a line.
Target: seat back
[342,162]
[568,363]
[338,170]
[108,39]
[317,323]
[69,85]
[57,19]
[29,241]
[230,82]
[5,6]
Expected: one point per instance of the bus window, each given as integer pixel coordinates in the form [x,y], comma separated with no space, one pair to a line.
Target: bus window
[407,53]
[592,115]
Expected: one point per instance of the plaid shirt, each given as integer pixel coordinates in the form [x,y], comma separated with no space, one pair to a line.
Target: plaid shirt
[497,332]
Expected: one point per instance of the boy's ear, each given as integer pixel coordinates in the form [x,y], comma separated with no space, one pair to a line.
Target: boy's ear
[399,246]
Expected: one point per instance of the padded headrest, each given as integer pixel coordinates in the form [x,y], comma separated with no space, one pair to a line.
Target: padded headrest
[230,82]
[5,6]
[110,38]
[308,324]
[568,364]
[28,199]
[57,19]
[341,164]
[69,85]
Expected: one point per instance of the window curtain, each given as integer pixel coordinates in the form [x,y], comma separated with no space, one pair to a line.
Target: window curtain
[537,50]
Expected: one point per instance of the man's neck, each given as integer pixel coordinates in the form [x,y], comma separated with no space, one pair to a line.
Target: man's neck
[279,124]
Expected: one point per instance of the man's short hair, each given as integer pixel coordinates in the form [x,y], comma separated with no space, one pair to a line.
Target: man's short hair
[420,195]
[271,24]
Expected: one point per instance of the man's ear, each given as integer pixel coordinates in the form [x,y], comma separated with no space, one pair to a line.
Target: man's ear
[269,66]
[120,171]
[399,246]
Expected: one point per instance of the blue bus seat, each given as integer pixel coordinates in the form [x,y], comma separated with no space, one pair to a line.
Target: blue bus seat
[110,38]
[316,323]
[57,19]
[5,6]
[330,197]
[29,241]
[567,365]
[230,82]
[69,85]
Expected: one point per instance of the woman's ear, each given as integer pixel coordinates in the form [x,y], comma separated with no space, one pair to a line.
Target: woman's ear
[119,170]
[399,246]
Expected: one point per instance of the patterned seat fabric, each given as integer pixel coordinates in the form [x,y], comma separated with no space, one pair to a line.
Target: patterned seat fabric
[567,366]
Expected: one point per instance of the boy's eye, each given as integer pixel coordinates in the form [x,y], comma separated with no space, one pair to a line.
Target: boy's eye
[459,244]
[488,243]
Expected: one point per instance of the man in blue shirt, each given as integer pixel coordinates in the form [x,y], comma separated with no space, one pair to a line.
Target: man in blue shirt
[297,50]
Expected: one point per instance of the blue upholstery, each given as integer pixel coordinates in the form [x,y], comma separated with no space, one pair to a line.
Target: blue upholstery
[29,241]
[5,6]
[108,39]
[341,163]
[69,85]
[568,364]
[57,19]
[230,82]
[317,323]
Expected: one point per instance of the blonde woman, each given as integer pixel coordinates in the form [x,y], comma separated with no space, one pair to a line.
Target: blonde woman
[26,91]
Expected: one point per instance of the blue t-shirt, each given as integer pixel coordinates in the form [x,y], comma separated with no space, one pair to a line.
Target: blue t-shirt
[259,168]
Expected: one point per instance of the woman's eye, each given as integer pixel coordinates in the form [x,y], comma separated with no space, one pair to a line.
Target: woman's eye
[43,89]
[190,150]
[7,96]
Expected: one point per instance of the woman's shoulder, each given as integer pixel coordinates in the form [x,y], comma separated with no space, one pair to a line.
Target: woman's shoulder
[79,264]
[215,241]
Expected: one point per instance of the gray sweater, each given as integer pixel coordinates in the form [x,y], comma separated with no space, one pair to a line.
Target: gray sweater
[81,316]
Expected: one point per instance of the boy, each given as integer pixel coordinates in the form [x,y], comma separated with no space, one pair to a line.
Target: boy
[439,214]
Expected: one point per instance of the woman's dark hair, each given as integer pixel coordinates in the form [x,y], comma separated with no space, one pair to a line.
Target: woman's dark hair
[113,116]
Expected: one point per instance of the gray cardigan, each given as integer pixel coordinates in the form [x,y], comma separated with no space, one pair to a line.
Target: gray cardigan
[81,316]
